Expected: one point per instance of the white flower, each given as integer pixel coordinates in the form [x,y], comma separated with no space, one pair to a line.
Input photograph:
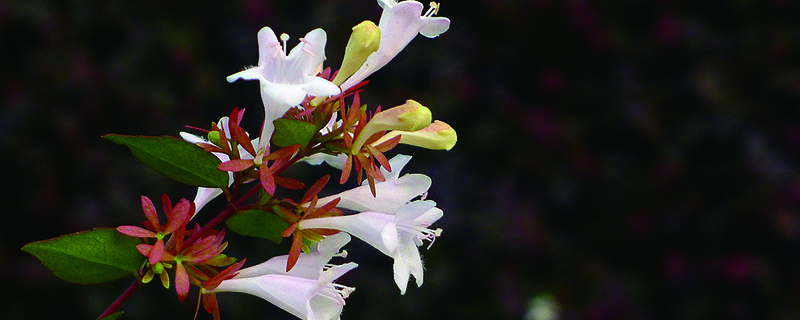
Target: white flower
[287,79]
[399,24]
[307,290]
[308,265]
[397,235]
[304,298]
[392,193]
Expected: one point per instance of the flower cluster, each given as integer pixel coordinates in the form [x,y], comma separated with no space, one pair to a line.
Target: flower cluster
[312,115]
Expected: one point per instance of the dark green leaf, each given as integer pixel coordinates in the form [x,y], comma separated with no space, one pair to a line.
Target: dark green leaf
[258,223]
[94,256]
[177,159]
[293,131]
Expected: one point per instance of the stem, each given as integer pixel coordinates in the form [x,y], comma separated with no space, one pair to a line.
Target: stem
[121,299]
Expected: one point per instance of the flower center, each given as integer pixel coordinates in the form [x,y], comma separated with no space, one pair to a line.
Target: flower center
[336,292]
[422,232]
[434,9]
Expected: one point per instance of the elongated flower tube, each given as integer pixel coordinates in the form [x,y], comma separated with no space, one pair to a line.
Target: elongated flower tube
[392,193]
[287,79]
[400,23]
[397,235]
[309,265]
[310,299]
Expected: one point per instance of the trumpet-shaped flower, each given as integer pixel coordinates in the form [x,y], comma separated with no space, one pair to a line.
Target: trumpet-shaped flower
[309,265]
[286,79]
[397,235]
[305,298]
[400,23]
[392,193]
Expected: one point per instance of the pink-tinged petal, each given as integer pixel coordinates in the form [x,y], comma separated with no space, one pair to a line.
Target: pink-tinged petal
[166,204]
[235,165]
[135,231]
[181,282]
[267,180]
[150,212]
[144,249]
[179,216]
[157,252]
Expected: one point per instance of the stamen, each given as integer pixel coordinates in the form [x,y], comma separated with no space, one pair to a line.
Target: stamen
[342,254]
[434,9]
[284,38]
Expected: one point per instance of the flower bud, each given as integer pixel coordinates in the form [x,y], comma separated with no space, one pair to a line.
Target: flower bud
[437,136]
[364,40]
[214,137]
[410,116]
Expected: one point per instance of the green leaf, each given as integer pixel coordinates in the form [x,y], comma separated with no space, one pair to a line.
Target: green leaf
[257,223]
[113,316]
[86,257]
[177,159]
[293,131]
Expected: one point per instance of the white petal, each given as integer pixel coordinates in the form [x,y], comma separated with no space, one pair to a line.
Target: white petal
[318,87]
[434,26]
[190,137]
[389,237]
[204,196]
[398,162]
[308,265]
[254,73]
[281,95]
[367,226]
[270,51]
[412,210]
[306,56]
[390,194]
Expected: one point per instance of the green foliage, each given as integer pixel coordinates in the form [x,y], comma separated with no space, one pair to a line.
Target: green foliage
[257,223]
[177,159]
[86,257]
[291,131]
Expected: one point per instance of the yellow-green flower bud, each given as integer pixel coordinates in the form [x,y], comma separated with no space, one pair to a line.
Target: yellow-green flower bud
[437,136]
[364,40]
[410,116]
[213,136]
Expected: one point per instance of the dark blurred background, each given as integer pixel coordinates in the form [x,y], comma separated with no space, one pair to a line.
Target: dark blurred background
[616,159]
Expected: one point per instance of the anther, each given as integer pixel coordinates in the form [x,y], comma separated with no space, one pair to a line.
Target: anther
[434,9]
[284,38]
